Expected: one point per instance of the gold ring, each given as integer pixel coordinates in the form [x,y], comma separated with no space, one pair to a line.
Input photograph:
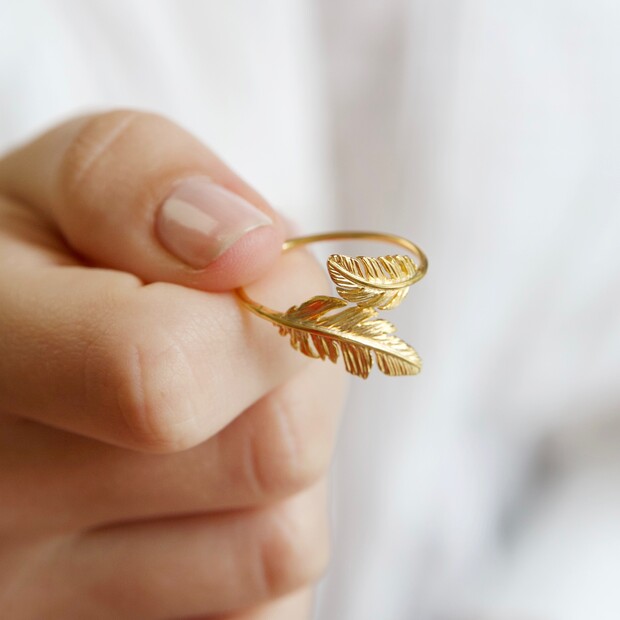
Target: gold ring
[323,326]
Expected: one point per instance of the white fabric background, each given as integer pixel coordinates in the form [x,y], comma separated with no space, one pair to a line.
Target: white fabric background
[487,488]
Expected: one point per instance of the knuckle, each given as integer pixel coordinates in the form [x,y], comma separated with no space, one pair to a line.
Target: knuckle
[142,413]
[153,389]
[92,139]
[286,455]
[295,553]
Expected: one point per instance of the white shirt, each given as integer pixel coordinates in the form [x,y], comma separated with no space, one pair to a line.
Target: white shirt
[488,133]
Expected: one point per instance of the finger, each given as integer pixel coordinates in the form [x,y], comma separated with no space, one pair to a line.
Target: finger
[156,368]
[296,606]
[201,565]
[282,444]
[135,192]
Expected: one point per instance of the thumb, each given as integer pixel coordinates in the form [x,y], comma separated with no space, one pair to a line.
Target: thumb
[135,192]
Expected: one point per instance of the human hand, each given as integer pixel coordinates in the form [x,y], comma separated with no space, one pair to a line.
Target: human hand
[162,451]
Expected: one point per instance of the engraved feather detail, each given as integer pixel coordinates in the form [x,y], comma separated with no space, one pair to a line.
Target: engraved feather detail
[323,328]
[381,282]
[328,327]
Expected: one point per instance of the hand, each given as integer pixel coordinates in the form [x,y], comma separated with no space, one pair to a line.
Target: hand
[162,451]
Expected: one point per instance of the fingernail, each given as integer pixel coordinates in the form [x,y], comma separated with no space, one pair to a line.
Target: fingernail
[200,220]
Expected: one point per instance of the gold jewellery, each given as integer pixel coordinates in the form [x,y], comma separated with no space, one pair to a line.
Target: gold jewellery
[323,326]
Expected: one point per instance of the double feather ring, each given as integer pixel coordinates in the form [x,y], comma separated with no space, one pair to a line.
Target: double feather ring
[324,326]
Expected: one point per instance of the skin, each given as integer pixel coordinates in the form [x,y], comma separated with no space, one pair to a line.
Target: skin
[162,451]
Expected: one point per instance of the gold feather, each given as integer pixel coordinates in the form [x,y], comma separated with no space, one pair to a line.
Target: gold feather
[317,331]
[381,282]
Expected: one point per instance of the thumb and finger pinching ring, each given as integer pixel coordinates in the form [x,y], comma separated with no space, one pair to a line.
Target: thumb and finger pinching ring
[324,327]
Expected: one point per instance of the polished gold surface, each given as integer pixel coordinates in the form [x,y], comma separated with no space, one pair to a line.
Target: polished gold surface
[324,327]
[370,282]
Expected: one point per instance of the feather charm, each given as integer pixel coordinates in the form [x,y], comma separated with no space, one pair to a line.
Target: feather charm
[380,283]
[323,327]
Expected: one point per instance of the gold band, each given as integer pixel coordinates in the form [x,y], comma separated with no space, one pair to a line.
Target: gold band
[422,266]
[323,326]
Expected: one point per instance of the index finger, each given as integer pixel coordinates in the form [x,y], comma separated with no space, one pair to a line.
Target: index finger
[157,367]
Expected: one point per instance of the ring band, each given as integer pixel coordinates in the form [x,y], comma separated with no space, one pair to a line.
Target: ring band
[324,326]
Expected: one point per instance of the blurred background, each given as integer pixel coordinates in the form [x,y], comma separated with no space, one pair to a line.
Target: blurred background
[488,132]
